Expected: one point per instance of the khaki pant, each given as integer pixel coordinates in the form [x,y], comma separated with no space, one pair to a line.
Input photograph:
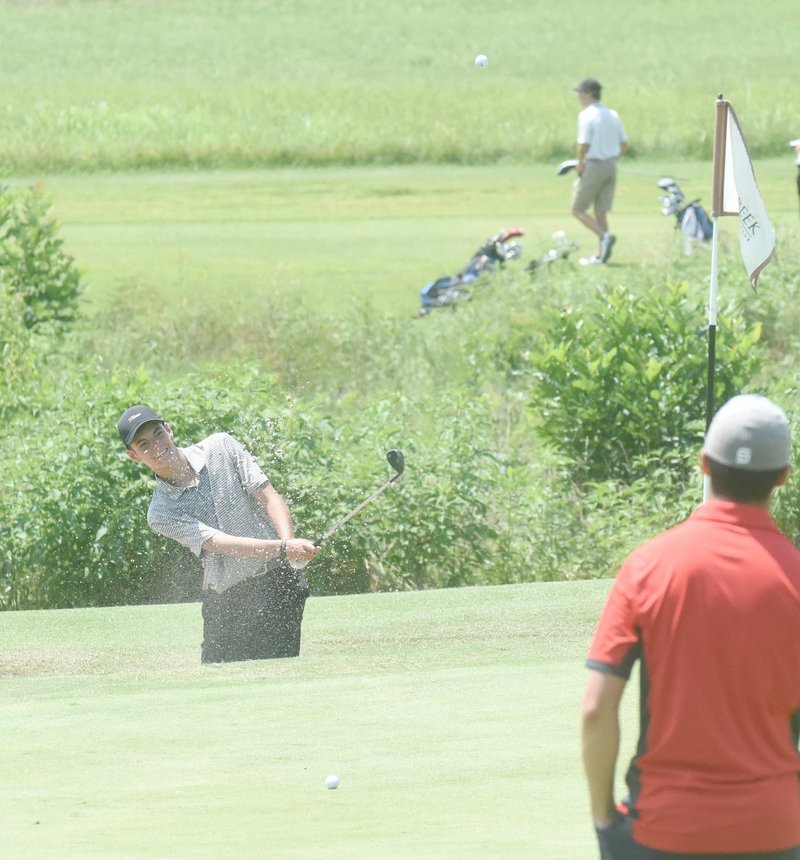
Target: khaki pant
[595,186]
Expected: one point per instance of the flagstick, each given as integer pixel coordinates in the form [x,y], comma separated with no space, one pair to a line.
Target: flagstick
[734,192]
[712,339]
[720,128]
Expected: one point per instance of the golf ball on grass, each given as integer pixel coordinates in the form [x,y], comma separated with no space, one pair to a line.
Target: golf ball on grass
[481,60]
[331,781]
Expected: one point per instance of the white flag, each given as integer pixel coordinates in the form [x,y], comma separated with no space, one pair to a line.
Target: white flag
[740,196]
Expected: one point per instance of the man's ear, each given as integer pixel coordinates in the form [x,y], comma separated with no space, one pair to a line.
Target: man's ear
[783,477]
[133,455]
[704,465]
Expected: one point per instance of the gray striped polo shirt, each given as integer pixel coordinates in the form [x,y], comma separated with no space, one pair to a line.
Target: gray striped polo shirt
[221,502]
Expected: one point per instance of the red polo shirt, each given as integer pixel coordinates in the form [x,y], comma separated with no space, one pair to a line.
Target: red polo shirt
[712,609]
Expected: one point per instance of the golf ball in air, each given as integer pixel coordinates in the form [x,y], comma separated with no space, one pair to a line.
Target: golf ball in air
[481,60]
[331,781]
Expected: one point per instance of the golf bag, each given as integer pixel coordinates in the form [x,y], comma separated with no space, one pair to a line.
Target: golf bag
[494,252]
[692,218]
[560,251]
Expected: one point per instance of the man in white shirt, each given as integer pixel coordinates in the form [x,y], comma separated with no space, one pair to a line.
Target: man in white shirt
[601,140]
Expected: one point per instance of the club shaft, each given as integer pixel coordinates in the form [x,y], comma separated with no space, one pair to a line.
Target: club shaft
[355,510]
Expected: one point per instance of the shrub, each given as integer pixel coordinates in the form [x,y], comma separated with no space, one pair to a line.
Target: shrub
[85,540]
[33,263]
[494,491]
[623,384]
[585,532]
[17,361]
[436,528]
[74,520]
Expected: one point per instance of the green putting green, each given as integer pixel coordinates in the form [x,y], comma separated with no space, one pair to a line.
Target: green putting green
[451,718]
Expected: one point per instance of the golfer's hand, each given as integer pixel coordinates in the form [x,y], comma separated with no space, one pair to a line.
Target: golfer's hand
[299,552]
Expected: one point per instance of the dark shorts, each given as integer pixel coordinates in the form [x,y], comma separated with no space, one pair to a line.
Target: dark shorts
[616,843]
[258,619]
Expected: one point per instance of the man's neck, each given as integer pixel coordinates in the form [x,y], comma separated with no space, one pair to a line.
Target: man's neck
[756,503]
[179,474]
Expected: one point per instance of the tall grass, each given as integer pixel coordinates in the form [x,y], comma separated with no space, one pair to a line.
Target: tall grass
[345,377]
[488,498]
[96,84]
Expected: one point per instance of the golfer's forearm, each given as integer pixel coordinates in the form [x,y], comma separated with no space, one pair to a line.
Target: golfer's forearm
[281,518]
[242,547]
[600,750]
[600,724]
[276,510]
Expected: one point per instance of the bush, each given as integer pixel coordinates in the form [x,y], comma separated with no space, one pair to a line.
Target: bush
[590,529]
[623,384]
[494,491]
[85,541]
[435,528]
[75,532]
[16,353]
[33,264]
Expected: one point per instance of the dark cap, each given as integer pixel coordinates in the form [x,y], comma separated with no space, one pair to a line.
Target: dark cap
[589,85]
[750,433]
[134,418]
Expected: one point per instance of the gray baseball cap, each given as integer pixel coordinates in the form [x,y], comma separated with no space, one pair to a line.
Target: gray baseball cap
[751,433]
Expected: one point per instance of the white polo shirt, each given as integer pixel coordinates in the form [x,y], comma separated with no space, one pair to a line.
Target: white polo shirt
[602,129]
[220,502]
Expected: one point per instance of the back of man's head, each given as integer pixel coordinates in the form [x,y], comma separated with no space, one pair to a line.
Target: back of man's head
[748,448]
[590,86]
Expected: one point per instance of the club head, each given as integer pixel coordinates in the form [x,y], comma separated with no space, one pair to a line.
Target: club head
[396,461]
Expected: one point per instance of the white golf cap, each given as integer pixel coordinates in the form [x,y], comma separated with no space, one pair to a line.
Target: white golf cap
[751,433]
[795,142]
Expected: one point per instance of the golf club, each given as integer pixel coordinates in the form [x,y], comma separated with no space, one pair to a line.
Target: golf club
[397,462]
[571,163]
[566,166]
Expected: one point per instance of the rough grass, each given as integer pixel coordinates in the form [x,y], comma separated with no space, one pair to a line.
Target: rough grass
[96,84]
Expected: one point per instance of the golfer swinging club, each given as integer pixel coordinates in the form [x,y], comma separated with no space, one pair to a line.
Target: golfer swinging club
[711,608]
[214,499]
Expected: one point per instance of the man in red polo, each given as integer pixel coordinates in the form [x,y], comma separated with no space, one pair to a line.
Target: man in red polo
[711,609]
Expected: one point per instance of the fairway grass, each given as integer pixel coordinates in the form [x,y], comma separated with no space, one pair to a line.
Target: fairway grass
[336,239]
[451,718]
